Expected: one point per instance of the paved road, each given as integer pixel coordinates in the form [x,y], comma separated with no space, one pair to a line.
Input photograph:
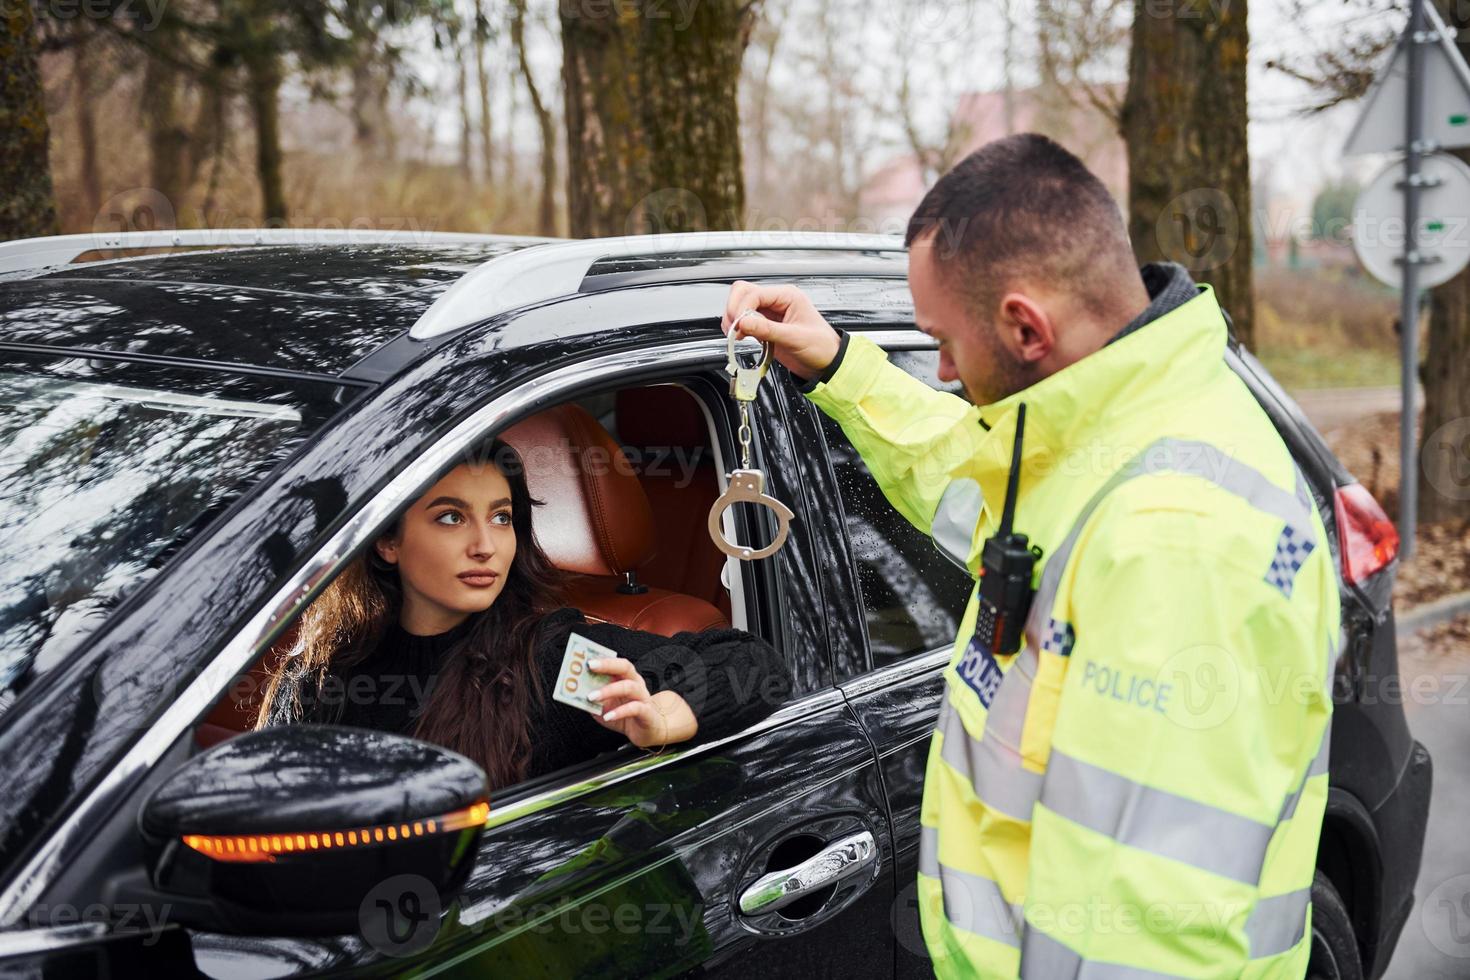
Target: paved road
[1329,408]
[1435,944]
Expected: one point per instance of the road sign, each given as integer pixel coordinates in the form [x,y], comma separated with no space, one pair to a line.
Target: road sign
[1442,241]
[1446,95]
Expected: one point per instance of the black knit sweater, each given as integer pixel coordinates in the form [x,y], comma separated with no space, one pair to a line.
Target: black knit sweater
[730,679]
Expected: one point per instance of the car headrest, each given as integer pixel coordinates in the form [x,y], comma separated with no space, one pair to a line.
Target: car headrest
[663,415]
[596,519]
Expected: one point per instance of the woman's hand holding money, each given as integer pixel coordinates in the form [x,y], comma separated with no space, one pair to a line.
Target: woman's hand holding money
[645,720]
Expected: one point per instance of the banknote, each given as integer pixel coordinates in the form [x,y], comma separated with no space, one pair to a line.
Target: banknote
[574,682]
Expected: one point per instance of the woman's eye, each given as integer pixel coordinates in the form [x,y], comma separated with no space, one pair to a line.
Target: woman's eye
[502,518]
[448,513]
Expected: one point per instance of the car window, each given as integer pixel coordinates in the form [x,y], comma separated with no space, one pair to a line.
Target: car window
[913,597]
[666,449]
[100,480]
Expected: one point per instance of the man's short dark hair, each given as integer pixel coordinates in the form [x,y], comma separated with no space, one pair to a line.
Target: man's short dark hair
[1024,208]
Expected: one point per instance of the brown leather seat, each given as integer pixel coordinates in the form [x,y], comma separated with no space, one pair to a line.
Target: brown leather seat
[237,710]
[667,427]
[597,523]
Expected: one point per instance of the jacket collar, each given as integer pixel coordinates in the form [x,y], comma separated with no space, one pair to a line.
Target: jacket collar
[1169,287]
[1086,403]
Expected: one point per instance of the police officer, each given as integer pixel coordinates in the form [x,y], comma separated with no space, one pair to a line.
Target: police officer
[1138,789]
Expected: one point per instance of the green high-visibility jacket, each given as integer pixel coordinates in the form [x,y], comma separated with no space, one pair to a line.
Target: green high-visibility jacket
[1139,790]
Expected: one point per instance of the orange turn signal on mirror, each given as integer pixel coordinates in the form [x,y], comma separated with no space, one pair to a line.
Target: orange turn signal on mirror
[250,848]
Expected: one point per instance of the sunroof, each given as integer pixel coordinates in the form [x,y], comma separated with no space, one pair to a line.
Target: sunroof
[318,309]
[351,271]
[293,331]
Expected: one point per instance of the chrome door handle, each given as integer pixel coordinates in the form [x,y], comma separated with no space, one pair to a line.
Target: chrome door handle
[833,863]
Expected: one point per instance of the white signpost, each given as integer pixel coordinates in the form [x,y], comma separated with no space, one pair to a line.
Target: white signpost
[1445,92]
[1402,113]
[1443,235]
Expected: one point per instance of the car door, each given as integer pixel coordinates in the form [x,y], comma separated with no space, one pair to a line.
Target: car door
[632,865]
[894,605]
[648,865]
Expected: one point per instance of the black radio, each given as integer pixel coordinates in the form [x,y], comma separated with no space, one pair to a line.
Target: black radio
[1006,564]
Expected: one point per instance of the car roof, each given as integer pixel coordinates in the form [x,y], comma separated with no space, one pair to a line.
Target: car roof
[320,307]
[310,308]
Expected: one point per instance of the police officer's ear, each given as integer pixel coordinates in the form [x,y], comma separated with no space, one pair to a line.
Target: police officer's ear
[1026,328]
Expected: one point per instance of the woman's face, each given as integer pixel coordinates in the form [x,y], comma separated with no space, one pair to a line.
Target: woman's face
[454,549]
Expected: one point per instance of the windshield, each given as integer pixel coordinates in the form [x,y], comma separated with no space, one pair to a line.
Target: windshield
[97,481]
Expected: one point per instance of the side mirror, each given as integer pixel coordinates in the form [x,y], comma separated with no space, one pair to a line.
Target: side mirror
[290,830]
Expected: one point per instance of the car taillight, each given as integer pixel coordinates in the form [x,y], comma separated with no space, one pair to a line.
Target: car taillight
[1368,538]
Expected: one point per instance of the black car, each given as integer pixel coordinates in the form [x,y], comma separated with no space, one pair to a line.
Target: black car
[193,444]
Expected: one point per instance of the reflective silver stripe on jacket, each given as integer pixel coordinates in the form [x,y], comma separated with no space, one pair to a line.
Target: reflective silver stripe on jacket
[971,902]
[1044,958]
[955,520]
[994,768]
[1190,458]
[1277,923]
[1274,927]
[1318,767]
[1156,821]
[993,762]
[1335,651]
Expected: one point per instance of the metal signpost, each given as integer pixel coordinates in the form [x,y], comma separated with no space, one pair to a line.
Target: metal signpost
[1409,294]
[1435,116]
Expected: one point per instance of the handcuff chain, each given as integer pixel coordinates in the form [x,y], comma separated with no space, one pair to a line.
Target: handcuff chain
[744,435]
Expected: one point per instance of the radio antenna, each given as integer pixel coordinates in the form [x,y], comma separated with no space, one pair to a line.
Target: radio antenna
[1014,480]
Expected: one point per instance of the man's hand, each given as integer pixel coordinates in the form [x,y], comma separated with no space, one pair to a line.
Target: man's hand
[786,319]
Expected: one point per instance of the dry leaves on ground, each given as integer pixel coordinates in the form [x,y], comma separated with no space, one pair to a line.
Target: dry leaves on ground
[1441,563]
[1440,566]
[1448,638]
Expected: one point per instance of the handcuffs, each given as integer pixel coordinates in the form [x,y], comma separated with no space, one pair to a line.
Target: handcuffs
[747,484]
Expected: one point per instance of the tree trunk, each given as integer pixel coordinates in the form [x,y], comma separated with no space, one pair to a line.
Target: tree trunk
[383,111]
[546,210]
[207,135]
[482,77]
[1008,66]
[762,136]
[263,77]
[83,64]
[607,151]
[833,118]
[1184,123]
[466,123]
[217,154]
[691,112]
[28,204]
[509,161]
[1445,487]
[168,139]
[362,106]
[652,118]
[1445,452]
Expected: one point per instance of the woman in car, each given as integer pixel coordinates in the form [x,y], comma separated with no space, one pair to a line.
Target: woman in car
[451,628]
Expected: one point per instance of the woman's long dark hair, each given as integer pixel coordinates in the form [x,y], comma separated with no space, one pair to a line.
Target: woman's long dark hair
[480,703]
